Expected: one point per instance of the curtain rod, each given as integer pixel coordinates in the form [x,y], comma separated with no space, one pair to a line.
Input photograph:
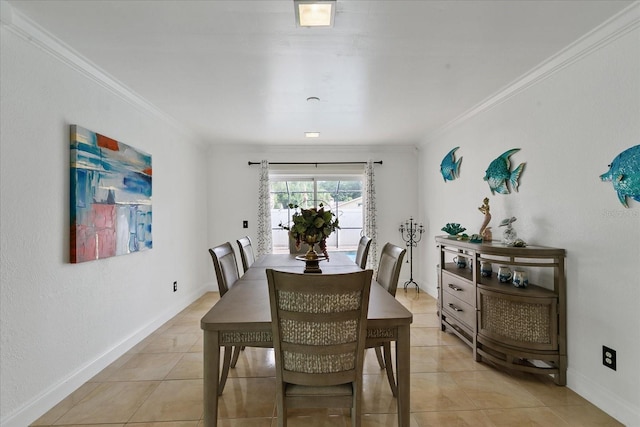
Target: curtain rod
[315,163]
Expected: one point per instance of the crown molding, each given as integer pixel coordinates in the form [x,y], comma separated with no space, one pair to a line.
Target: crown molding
[617,26]
[24,27]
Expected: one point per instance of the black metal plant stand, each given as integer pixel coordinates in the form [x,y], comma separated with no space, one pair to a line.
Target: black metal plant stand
[411,234]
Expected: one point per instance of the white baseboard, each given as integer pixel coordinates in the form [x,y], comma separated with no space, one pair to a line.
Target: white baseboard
[430,289]
[50,397]
[622,410]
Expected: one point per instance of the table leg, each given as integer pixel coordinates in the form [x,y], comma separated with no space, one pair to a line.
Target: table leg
[403,357]
[211,373]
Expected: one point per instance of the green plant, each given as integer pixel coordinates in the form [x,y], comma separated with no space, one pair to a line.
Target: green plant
[312,226]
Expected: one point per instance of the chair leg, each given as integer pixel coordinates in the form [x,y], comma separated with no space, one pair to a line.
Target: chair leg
[354,418]
[225,368]
[379,356]
[356,407]
[236,354]
[281,407]
[389,368]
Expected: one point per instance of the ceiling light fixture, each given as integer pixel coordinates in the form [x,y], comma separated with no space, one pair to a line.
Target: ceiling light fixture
[315,13]
[312,134]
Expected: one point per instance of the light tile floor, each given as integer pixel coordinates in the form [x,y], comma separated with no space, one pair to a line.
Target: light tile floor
[158,383]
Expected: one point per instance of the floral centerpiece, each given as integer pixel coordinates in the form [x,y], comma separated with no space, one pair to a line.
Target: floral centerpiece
[312,226]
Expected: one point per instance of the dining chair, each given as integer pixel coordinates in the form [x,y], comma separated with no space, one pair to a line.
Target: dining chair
[319,328]
[387,276]
[246,252]
[226,267]
[363,252]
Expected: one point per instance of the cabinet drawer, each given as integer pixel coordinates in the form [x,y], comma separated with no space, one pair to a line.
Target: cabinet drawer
[459,288]
[459,309]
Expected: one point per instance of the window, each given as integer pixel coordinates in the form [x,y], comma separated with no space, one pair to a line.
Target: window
[341,194]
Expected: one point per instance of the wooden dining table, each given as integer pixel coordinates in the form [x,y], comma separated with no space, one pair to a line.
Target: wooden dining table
[243,318]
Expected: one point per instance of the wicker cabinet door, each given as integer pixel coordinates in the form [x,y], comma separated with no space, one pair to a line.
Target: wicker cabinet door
[524,322]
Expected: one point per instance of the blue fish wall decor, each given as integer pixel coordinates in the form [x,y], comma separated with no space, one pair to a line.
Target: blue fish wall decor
[624,173]
[449,168]
[498,173]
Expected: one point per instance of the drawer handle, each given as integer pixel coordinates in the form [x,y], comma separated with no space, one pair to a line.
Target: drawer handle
[454,308]
[455,288]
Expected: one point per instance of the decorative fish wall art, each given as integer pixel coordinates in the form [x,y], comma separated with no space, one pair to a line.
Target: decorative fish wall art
[624,173]
[450,168]
[498,173]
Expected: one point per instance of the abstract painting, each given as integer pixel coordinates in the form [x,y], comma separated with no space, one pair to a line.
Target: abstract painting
[110,197]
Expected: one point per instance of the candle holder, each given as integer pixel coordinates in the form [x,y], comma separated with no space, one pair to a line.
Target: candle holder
[411,234]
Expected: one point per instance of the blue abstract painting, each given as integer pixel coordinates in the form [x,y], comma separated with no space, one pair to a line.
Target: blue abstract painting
[110,197]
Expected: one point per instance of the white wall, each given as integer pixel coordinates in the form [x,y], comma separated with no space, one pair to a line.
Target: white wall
[570,124]
[62,323]
[233,187]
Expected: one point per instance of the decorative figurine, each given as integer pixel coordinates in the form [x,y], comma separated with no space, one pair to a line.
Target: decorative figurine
[475,238]
[453,229]
[519,243]
[449,168]
[485,231]
[624,173]
[498,173]
[509,235]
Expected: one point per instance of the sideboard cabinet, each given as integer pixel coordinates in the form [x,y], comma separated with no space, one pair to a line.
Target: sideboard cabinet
[520,328]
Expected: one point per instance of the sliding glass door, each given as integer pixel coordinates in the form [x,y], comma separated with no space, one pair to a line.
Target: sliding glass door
[341,194]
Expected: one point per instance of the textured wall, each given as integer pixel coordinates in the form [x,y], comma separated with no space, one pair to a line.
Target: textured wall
[569,126]
[396,184]
[62,323]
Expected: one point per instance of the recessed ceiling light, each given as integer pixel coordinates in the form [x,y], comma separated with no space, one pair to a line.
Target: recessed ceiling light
[312,134]
[315,13]
[313,98]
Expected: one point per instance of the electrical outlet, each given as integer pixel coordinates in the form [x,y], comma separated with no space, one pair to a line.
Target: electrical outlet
[175,286]
[245,224]
[609,357]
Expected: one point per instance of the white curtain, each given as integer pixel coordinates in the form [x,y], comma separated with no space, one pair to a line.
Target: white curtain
[369,208]
[265,243]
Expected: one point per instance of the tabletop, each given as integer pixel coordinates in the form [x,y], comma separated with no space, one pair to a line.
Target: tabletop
[246,304]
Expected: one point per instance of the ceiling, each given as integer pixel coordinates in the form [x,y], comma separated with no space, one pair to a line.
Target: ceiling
[388,72]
